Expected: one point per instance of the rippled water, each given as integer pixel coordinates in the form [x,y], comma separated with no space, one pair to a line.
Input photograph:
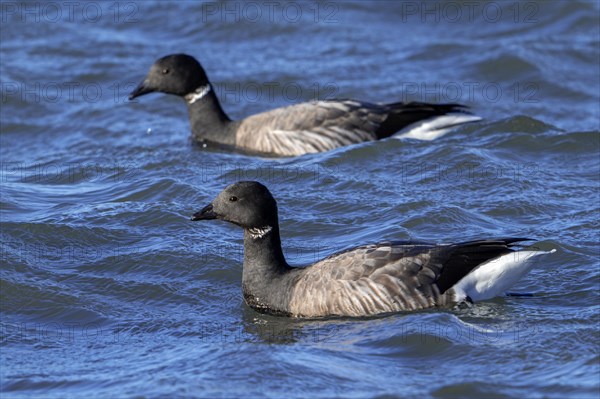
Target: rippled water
[108,290]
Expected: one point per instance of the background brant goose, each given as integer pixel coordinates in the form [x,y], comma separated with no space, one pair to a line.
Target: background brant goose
[367,280]
[298,129]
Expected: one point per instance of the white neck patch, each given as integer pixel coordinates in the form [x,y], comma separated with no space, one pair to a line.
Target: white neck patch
[197,94]
[259,232]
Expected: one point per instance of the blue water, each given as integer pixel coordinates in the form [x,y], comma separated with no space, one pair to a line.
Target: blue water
[108,290]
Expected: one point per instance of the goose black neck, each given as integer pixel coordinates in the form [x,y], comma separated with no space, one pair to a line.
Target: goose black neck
[264,255]
[208,120]
[267,279]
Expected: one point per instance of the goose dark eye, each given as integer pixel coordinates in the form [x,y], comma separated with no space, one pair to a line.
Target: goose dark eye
[165,71]
[233,198]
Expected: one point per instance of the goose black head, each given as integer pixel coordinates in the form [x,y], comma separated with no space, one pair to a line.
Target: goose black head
[178,74]
[248,204]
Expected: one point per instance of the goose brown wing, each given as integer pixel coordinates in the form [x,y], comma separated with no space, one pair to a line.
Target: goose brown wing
[311,127]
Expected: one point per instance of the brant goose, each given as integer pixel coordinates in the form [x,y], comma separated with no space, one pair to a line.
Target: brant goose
[298,129]
[367,280]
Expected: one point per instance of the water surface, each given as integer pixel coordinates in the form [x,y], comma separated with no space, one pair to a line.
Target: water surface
[108,290]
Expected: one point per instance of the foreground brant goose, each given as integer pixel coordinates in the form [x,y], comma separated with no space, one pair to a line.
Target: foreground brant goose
[298,129]
[367,280]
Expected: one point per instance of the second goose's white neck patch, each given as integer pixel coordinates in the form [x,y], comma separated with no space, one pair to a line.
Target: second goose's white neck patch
[197,94]
[259,232]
